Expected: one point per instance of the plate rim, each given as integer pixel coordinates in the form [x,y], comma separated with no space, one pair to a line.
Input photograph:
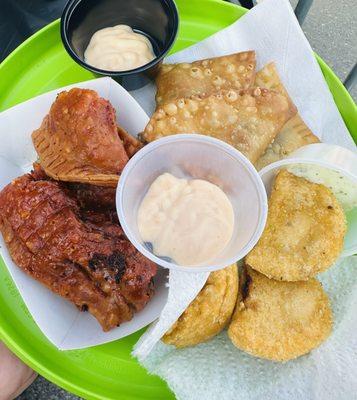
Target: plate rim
[25,356]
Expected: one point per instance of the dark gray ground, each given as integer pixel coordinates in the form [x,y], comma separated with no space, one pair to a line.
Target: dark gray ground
[42,389]
[332,31]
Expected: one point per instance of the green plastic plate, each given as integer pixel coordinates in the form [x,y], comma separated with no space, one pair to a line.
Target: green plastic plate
[104,372]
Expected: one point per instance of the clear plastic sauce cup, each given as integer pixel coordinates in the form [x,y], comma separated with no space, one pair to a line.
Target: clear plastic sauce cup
[194,156]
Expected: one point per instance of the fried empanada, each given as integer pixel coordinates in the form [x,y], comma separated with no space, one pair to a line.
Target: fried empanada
[280,321]
[304,232]
[248,120]
[78,140]
[294,135]
[268,78]
[209,313]
[205,77]
[295,132]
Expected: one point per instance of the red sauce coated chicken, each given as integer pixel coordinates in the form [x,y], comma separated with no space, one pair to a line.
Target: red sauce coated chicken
[79,254]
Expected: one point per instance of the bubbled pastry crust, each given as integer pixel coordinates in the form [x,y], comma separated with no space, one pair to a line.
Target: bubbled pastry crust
[205,77]
[248,120]
[294,134]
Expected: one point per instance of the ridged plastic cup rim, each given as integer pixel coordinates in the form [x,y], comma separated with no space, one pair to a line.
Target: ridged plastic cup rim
[211,266]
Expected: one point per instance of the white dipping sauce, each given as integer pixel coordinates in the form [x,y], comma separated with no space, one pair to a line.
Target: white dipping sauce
[118,48]
[190,221]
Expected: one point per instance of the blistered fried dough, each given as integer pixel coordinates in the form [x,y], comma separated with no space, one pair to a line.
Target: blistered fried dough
[294,135]
[78,140]
[209,313]
[130,143]
[304,231]
[280,321]
[295,132]
[248,120]
[268,78]
[205,77]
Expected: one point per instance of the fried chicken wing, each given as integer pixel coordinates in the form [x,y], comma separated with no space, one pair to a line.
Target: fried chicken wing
[78,140]
[87,260]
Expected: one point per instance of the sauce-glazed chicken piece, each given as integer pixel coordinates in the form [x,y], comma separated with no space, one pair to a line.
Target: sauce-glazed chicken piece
[78,140]
[78,254]
[91,197]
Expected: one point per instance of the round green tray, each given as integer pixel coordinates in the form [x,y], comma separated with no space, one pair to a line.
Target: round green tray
[41,64]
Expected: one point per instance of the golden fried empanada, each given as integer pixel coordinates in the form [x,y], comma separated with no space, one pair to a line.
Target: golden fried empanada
[295,132]
[304,232]
[78,140]
[268,78]
[248,120]
[294,135]
[205,77]
[280,320]
[209,312]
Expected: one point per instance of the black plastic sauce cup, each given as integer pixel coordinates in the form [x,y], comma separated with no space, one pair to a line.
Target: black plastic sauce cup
[156,19]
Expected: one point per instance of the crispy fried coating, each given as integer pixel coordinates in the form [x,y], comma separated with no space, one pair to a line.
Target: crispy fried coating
[268,78]
[38,173]
[280,321]
[209,312]
[92,197]
[88,197]
[205,77]
[130,143]
[78,140]
[248,120]
[304,231]
[96,206]
[295,132]
[89,262]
